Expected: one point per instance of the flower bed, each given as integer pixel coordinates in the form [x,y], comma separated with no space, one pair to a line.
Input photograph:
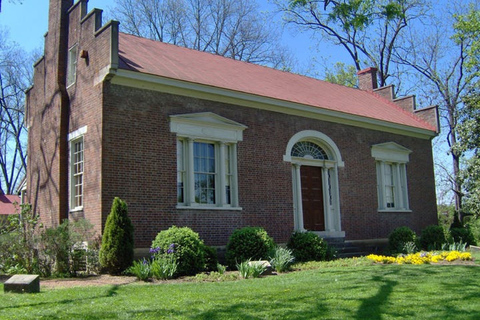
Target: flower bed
[423,257]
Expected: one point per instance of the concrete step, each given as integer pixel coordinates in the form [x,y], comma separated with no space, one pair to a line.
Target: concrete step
[347,249]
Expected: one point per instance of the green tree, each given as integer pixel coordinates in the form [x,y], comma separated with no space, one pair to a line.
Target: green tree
[468,31]
[440,58]
[368,30]
[116,252]
[343,75]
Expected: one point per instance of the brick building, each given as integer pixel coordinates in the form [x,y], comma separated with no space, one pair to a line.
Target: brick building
[192,139]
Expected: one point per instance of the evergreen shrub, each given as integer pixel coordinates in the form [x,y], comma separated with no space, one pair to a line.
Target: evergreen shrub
[307,246]
[399,237]
[464,235]
[185,245]
[432,238]
[116,252]
[248,243]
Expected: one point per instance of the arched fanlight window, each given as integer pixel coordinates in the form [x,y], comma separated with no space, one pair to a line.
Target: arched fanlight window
[308,150]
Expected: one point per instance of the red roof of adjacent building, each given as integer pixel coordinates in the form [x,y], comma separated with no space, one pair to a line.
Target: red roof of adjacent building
[7,204]
[170,61]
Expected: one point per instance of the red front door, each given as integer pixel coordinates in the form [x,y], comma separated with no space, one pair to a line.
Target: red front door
[312,198]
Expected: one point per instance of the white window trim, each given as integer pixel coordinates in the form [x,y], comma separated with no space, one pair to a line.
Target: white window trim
[397,156]
[208,127]
[72,65]
[73,137]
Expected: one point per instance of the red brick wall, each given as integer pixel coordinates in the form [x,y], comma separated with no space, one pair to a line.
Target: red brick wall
[85,109]
[140,167]
[131,153]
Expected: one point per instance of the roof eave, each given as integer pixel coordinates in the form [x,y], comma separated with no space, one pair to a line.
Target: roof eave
[174,86]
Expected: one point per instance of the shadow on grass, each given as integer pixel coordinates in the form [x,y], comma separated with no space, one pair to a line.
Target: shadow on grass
[112,291]
[372,307]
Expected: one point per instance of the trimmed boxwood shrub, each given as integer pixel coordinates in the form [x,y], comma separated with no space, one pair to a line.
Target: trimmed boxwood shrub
[248,243]
[399,237]
[307,246]
[211,258]
[116,252]
[185,245]
[465,235]
[432,238]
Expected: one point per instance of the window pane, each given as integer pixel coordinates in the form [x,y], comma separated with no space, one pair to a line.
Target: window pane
[204,172]
[180,171]
[77,173]
[389,186]
[228,175]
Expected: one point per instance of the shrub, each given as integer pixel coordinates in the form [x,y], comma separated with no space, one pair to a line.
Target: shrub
[116,252]
[211,258]
[282,259]
[19,243]
[27,247]
[432,238]
[248,243]
[464,235]
[140,269]
[307,246]
[398,238]
[185,245]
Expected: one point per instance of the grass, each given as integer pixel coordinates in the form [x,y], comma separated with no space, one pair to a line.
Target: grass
[344,289]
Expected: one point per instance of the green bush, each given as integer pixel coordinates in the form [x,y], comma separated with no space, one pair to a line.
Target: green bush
[464,235]
[27,247]
[248,243]
[116,252]
[399,237]
[185,245]
[211,259]
[432,238]
[307,246]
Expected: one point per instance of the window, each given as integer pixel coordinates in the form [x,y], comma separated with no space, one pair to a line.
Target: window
[206,160]
[72,65]
[391,162]
[77,169]
[208,173]
[77,173]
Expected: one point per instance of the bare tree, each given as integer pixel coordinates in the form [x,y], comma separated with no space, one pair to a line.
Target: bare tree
[15,76]
[231,28]
[12,1]
[439,59]
[367,30]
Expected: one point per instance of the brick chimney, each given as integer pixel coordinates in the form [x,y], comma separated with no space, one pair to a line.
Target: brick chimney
[56,52]
[367,79]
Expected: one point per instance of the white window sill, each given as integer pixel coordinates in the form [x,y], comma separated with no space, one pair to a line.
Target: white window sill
[76,209]
[394,210]
[209,208]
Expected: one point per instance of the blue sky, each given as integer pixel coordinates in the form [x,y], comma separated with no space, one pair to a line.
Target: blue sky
[27,24]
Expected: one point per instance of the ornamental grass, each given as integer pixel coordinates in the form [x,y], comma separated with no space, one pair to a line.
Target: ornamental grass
[423,257]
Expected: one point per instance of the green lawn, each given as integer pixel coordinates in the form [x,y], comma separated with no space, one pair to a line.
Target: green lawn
[331,292]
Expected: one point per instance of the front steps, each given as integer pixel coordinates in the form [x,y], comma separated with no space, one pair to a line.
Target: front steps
[356,248]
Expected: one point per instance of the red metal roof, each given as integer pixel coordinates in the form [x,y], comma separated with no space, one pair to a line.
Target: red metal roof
[170,61]
[7,204]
